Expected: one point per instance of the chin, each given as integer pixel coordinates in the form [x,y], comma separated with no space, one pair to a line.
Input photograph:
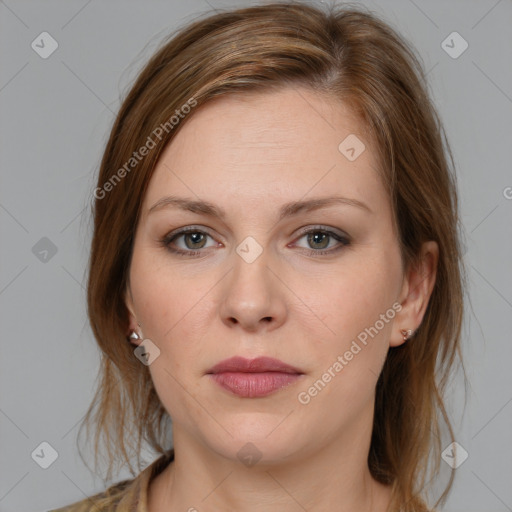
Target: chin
[260,441]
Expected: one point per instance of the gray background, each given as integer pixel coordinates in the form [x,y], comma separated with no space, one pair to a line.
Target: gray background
[55,117]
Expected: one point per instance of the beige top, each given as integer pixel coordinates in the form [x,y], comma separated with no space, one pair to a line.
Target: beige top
[126,496]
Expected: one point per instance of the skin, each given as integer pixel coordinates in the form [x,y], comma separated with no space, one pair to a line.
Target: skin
[249,154]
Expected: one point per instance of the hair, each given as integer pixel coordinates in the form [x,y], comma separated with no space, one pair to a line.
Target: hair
[353,57]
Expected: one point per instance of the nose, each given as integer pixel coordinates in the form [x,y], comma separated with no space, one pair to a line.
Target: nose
[254,298]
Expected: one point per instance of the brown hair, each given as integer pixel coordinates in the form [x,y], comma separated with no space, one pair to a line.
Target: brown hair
[357,59]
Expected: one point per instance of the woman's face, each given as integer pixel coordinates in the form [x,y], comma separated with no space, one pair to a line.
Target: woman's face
[317,287]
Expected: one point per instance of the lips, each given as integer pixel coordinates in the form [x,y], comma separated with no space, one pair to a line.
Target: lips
[258,365]
[253,378]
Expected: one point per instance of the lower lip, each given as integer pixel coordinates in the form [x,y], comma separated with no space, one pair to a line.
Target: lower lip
[254,385]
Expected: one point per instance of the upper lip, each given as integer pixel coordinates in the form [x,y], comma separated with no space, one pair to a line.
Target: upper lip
[258,365]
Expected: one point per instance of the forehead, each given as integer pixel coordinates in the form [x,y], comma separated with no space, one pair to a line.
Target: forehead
[280,144]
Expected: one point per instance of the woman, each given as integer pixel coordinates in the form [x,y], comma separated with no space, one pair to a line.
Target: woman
[275,267]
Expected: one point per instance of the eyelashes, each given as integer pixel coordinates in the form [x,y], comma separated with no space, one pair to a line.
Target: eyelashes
[195,241]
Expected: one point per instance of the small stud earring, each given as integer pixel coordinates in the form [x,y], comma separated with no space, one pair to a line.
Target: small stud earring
[133,336]
[406,333]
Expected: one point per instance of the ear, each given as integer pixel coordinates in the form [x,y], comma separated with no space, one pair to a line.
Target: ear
[416,290]
[133,325]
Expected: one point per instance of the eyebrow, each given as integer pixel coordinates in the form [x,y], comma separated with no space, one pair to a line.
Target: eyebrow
[287,210]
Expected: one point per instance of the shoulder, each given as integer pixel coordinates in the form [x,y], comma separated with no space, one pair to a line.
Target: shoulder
[125,496]
[105,501]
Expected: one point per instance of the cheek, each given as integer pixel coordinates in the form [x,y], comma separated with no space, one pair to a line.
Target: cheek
[169,309]
[348,363]
[354,298]
[164,299]
[357,316]
[176,314]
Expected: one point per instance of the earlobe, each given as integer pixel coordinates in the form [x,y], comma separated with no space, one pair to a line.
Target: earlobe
[134,338]
[417,289]
[407,334]
[401,337]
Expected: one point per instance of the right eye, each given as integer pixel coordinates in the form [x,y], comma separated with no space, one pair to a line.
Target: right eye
[192,240]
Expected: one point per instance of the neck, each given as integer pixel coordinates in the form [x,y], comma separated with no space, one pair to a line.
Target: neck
[336,478]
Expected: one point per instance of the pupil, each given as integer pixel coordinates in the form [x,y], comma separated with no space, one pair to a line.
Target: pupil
[196,238]
[319,238]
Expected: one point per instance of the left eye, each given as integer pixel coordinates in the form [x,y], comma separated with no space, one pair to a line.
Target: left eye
[192,240]
[320,240]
